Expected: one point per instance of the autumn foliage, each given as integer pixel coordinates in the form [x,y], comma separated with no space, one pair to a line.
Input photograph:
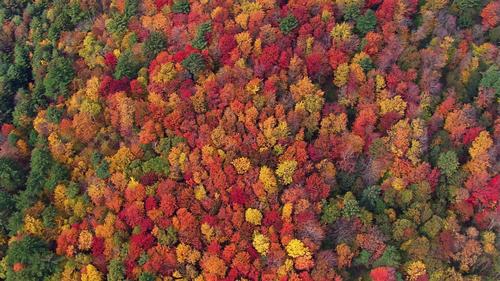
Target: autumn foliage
[249,140]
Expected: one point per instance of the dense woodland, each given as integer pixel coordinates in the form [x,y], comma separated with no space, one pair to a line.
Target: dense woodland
[248,140]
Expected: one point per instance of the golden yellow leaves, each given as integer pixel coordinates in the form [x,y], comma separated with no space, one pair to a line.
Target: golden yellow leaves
[266,176]
[106,230]
[122,158]
[253,86]
[394,104]
[400,137]
[398,184]
[186,254]
[200,192]
[208,231]
[261,243]
[341,32]
[272,132]
[242,165]
[480,160]
[91,274]
[481,144]
[33,225]
[415,269]
[296,248]
[60,197]
[166,73]
[333,123]
[244,41]
[285,171]
[341,74]
[304,88]
[85,240]
[90,51]
[488,241]
[253,216]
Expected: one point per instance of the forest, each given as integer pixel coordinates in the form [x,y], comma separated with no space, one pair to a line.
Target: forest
[246,140]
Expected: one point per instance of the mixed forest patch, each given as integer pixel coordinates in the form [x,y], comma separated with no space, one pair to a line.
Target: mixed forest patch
[244,140]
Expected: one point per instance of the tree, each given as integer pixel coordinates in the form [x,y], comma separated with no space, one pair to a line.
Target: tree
[116,270]
[288,24]
[285,171]
[12,175]
[390,257]
[372,200]
[331,212]
[433,226]
[194,63]
[155,43]
[102,170]
[60,72]
[467,11]
[127,66]
[491,79]
[383,274]
[351,206]
[448,162]
[351,12]
[181,7]
[54,114]
[200,41]
[40,164]
[366,22]
[29,259]
[8,207]
[494,35]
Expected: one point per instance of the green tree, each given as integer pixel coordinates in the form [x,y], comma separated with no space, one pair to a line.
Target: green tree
[146,276]
[116,270]
[433,226]
[181,7]
[40,165]
[15,223]
[351,206]
[371,199]
[8,207]
[102,170]
[366,22]
[494,35]
[34,255]
[390,257]
[119,22]
[60,72]
[331,212]
[48,216]
[54,114]
[200,41]
[448,162]
[155,43]
[491,79]
[12,176]
[400,228]
[41,161]
[194,63]
[158,165]
[367,64]
[288,23]
[467,11]
[127,66]
[351,12]
[363,258]
[56,174]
